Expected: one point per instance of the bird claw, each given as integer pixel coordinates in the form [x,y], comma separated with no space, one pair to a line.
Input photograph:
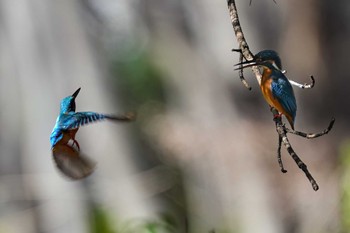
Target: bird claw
[276,116]
[74,144]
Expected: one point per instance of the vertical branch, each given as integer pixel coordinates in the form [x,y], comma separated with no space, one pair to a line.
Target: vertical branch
[279,159]
[243,45]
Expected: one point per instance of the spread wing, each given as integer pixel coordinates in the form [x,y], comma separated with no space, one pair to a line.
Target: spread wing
[74,120]
[282,90]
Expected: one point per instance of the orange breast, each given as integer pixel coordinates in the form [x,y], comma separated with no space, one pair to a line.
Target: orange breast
[65,149]
[265,87]
[68,135]
[72,132]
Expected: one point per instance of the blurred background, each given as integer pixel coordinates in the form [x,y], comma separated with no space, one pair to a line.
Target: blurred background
[201,156]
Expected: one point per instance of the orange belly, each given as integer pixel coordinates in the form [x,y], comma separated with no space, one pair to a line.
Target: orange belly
[267,93]
[265,87]
[68,135]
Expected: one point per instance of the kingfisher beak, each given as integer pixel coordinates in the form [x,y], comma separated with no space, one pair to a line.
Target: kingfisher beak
[246,64]
[75,94]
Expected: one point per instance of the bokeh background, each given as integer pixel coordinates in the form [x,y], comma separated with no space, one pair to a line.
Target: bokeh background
[201,156]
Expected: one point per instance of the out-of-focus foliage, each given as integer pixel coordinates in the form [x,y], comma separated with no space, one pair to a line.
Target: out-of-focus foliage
[99,221]
[139,81]
[159,226]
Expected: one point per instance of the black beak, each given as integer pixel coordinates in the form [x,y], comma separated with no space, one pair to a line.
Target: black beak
[246,64]
[75,94]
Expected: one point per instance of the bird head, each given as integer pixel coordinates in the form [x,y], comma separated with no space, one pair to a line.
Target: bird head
[266,58]
[68,103]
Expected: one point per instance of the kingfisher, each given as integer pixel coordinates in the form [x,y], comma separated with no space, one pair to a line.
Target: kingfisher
[65,148]
[275,86]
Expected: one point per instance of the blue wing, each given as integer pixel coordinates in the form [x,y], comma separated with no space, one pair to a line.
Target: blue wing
[74,120]
[282,90]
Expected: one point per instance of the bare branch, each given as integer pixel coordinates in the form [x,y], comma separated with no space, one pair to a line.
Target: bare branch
[297,160]
[282,132]
[280,127]
[279,159]
[243,45]
[305,85]
[313,135]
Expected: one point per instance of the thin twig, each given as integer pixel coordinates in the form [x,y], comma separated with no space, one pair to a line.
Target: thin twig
[240,72]
[305,85]
[313,135]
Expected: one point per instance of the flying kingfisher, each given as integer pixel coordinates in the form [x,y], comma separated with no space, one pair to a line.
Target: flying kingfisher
[65,148]
[275,87]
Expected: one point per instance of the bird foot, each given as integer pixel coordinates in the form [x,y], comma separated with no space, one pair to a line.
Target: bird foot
[74,144]
[276,116]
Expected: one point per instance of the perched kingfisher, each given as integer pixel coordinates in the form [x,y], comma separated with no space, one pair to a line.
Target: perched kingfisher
[275,87]
[67,156]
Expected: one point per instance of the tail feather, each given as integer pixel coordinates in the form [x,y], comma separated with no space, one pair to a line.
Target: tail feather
[291,121]
[71,162]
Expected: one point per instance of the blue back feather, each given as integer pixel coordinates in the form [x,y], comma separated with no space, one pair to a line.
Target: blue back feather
[282,90]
